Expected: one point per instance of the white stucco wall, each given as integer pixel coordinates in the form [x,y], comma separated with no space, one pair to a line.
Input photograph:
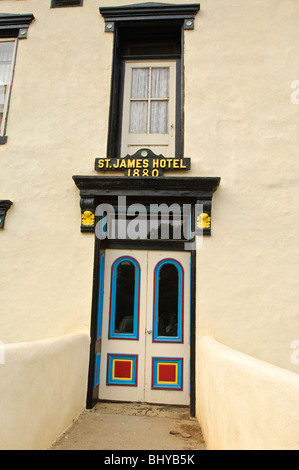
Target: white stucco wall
[244,403]
[42,390]
[241,125]
[57,126]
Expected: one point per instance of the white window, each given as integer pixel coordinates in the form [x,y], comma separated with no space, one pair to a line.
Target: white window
[7,57]
[149,107]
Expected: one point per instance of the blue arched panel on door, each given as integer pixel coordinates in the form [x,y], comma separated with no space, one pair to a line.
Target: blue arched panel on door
[124,299]
[168,304]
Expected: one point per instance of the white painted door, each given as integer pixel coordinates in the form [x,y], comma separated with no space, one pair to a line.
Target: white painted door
[145,331]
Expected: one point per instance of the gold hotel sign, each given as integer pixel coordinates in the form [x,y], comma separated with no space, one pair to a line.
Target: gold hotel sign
[144,163]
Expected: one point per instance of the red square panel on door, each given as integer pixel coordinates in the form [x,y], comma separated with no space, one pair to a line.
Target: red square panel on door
[167,373]
[122,369]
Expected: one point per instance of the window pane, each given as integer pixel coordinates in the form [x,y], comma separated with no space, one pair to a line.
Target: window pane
[2,96]
[125,297]
[168,301]
[160,81]
[159,117]
[2,100]
[139,85]
[138,117]
[6,54]
[6,51]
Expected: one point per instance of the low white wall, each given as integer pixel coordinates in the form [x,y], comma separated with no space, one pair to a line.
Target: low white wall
[42,390]
[244,403]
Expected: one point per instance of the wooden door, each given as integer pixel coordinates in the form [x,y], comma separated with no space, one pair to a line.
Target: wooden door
[145,332]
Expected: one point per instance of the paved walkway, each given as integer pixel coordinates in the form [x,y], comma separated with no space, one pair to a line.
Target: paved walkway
[124,426]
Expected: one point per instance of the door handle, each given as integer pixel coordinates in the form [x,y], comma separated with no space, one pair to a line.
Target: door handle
[149,331]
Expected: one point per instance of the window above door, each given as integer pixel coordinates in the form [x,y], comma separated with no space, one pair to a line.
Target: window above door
[146,108]
[149,107]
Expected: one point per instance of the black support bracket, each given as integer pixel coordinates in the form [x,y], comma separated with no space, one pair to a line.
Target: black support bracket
[4,206]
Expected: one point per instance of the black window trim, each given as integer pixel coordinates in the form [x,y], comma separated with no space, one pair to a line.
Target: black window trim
[150,11]
[14,26]
[66,3]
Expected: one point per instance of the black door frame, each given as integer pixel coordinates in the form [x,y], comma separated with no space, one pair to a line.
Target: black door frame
[97,189]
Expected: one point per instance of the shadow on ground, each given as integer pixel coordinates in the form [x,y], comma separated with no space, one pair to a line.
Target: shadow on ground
[127,426]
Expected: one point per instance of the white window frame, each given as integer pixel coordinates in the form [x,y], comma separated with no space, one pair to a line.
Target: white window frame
[8,84]
[159,143]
